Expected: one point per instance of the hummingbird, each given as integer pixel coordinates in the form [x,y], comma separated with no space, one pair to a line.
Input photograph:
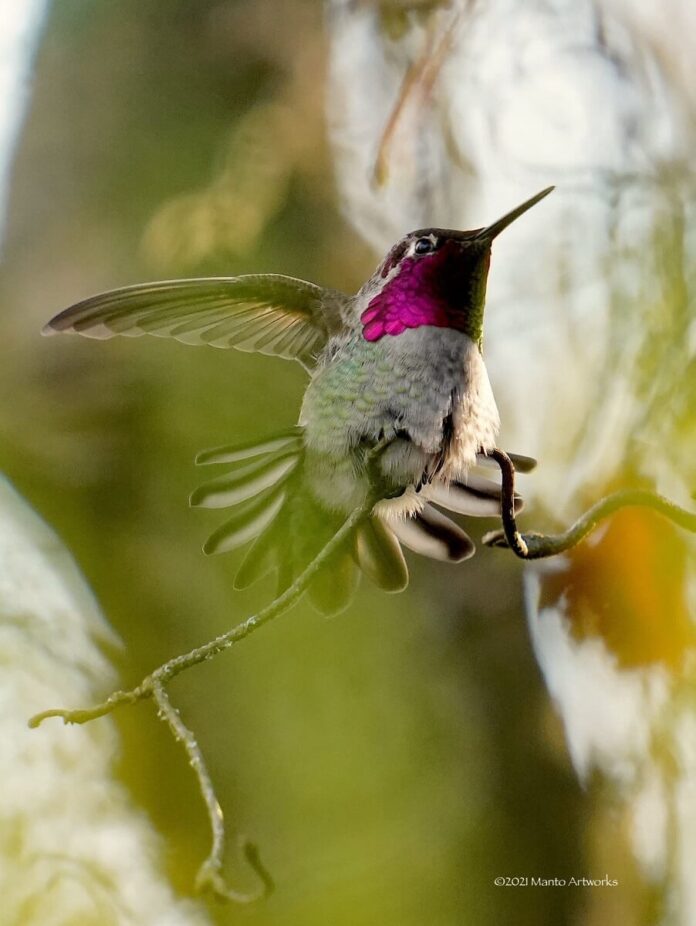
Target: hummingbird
[398,365]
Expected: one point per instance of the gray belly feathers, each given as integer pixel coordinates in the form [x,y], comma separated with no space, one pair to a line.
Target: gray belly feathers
[427,392]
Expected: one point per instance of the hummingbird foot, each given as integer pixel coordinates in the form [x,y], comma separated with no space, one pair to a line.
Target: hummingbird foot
[517,542]
[379,487]
[513,538]
[534,545]
[525,545]
[495,539]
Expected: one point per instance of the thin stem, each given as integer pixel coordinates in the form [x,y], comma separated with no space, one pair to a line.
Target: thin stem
[533,545]
[153,686]
[173,667]
[209,876]
[420,77]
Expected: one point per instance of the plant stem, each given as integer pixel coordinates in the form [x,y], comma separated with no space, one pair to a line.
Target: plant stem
[209,876]
[173,667]
[533,545]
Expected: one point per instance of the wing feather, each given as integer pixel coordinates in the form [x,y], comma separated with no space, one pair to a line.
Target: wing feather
[268,313]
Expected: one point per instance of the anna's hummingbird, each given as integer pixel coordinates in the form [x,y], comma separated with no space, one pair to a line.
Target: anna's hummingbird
[398,363]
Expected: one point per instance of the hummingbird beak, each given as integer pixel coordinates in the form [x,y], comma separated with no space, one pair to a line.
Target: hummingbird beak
[492,231]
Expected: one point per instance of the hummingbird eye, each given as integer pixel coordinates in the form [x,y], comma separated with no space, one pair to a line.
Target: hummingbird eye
[424,246]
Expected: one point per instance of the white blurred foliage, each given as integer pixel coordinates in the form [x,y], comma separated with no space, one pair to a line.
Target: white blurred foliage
[608,723]
[636,726]
[503,98]
[73,848]
[449,114]
[20,23]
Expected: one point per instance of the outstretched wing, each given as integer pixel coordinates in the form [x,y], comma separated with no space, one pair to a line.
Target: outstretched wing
[268,313]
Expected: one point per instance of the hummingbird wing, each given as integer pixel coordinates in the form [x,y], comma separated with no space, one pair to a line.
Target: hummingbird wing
[268,313]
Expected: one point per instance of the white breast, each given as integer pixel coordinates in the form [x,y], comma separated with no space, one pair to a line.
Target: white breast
[476,418]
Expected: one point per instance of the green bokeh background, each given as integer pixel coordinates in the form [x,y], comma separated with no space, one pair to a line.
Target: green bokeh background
[390,762]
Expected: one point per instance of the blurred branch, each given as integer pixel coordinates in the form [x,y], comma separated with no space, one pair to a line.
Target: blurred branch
[419,79]
[534,545]
[61,802]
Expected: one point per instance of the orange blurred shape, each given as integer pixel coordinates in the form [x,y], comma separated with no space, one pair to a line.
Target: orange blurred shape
[628,585]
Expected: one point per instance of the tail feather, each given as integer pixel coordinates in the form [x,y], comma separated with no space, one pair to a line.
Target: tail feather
[432,534]
[334,587]
[260,559]
[232,453]
[249,519]
[256,492]
[379,555]
[477,497]
[245,482]
[272,505]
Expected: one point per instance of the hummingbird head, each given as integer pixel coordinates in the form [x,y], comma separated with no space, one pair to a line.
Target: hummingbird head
[437,277]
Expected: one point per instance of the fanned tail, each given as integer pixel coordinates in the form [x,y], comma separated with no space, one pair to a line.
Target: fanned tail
[270,504]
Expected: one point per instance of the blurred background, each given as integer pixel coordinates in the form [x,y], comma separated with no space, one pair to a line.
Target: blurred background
[393,761]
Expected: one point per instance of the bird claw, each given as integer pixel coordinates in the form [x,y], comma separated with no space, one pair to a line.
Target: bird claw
[495,539]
